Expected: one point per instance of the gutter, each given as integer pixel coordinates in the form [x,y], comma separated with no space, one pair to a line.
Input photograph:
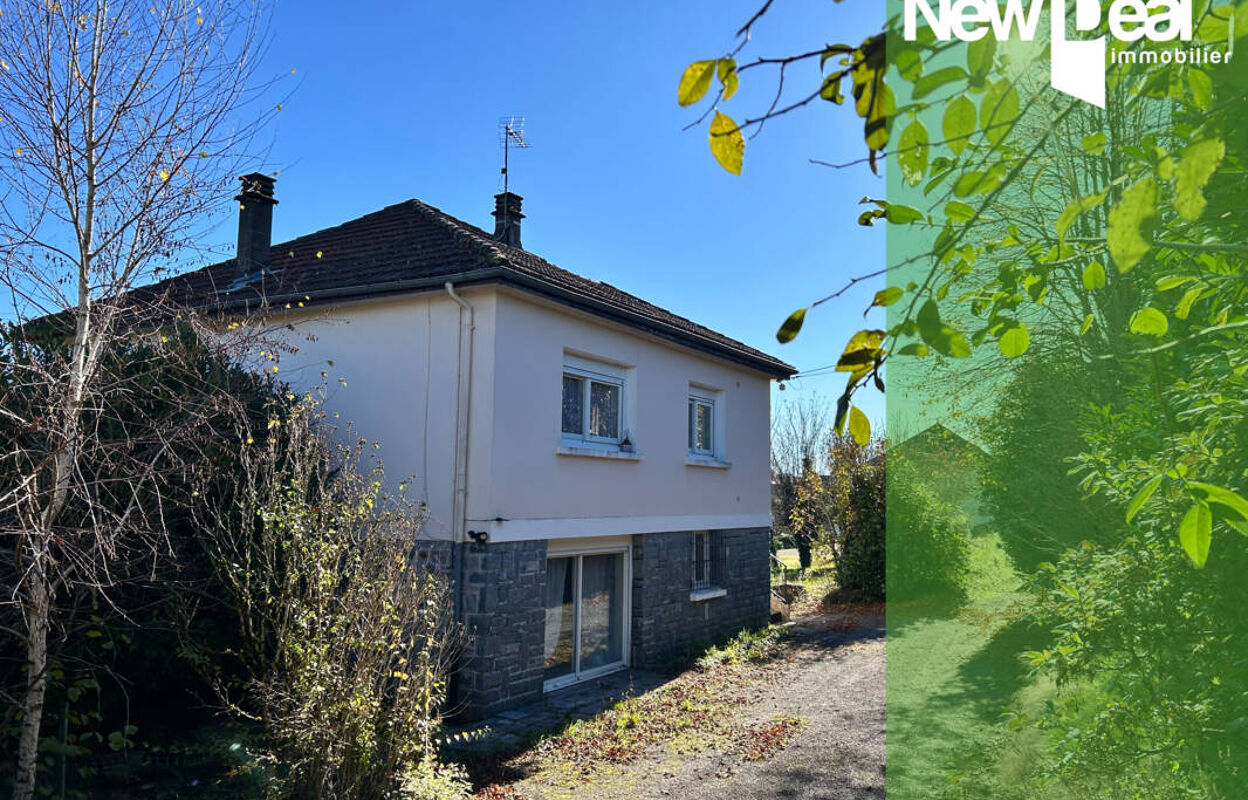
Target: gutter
[508,276]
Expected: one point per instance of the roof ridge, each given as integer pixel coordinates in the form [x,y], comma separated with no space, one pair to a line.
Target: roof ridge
[464,231]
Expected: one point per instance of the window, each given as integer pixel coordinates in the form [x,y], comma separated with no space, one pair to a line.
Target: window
[702,561]
[702,425]
[592,406]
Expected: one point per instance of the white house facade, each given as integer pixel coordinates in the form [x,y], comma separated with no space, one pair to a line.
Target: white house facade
[594,470]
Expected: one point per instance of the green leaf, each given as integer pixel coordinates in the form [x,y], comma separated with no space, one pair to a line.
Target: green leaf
[789,330]
[1200,161]
[1094,143]
[999,110]
[1130,229]
[979,55]
[934,80]
[969,183]
[1142,497]
[943,338]
[1189,298]
[902,215]
[912,153]
[727,70]
[1196,532]
[1072,211]
[727,143]
[914,349]
[886,297]
[958,123]
[1087,324]
[1232,502]
[1094,276]
[958,211]
[859,426]
[842,410]
[909,64]
[695,82]
[1148,321]
[1014,340]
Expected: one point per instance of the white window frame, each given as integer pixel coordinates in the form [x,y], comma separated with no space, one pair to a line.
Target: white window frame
[588,378]
[701,399]
[577,552]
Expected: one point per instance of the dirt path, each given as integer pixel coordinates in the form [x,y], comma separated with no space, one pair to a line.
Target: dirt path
[833,688]
[837,689]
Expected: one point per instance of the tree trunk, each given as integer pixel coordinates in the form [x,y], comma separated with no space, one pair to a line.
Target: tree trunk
[38,616]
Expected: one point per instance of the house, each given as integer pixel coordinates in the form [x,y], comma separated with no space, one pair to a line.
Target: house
[594,468]
[950,463]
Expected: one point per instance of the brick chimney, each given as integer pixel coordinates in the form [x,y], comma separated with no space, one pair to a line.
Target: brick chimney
[255,225]
[507,218]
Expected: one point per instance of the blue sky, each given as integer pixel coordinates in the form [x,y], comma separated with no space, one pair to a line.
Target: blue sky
[396,100]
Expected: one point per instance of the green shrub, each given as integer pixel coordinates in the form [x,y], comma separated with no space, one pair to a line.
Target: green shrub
[860,559]
[430,780]
[928,540]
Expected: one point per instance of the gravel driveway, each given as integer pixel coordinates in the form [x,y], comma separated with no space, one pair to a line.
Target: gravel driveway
[837,688]
[833,684]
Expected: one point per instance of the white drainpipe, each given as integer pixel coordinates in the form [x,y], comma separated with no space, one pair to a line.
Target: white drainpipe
[459,515]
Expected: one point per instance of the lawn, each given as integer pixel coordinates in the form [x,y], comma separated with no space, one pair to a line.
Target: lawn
[954,681]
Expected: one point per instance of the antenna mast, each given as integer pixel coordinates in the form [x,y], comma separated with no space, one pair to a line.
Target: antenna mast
[511,134]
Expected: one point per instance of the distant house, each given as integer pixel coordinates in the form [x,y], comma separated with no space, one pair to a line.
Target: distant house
[950,463]
[594,467]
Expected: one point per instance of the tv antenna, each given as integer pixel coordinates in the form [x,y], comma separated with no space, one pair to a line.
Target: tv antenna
[510,134]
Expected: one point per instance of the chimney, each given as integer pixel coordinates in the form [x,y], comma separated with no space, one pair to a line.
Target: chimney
[255,226]
[507,218]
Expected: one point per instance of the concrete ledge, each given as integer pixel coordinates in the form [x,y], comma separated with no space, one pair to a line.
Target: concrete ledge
[709,463]
[596,452]
[700,595]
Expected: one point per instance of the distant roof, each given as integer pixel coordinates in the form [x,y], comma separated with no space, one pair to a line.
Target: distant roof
[938,437]
[411,246]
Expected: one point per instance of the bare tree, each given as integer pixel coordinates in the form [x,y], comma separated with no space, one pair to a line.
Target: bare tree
[122,125]
[799,433]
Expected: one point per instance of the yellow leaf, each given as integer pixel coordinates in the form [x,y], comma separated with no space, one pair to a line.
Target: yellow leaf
[318,253]
[18,151]
[695,81]
[859,426]
[199,20]
[164,175]
[727,143]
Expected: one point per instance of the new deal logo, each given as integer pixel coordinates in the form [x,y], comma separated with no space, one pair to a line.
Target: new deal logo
[1078,66]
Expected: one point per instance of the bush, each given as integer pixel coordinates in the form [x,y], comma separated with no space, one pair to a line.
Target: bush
[860,556]
[928,540]
[346,640]
[430,780]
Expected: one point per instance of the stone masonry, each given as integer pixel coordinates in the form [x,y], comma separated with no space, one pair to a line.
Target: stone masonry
[666,621]
[504,614]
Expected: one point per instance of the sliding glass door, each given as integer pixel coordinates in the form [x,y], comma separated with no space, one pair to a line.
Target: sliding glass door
[586,615]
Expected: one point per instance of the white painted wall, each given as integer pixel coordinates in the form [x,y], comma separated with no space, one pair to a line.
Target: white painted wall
[544,494]
[399,359]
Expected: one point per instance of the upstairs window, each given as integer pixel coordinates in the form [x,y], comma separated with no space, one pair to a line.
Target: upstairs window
[701,425]
[592,406]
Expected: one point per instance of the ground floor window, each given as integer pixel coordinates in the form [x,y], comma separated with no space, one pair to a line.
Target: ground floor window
[586,613]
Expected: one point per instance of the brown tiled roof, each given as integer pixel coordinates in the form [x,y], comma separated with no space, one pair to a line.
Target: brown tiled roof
[411,246]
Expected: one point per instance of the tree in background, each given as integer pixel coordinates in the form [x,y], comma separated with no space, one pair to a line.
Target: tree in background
[811,517]
[858,501]
[124,124]
[799,432]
